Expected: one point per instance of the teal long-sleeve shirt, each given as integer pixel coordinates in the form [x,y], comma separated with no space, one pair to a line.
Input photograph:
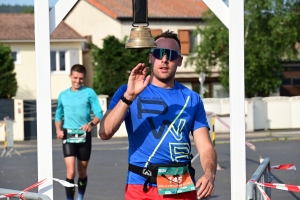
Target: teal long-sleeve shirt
[75,107]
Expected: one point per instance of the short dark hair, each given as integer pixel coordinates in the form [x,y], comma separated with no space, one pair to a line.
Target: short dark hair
[78,68]
[169,34]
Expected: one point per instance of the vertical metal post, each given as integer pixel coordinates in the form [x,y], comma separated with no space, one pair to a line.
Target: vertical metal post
[43,96]
[237,100]
[213,135]
[233,19]
[201,80]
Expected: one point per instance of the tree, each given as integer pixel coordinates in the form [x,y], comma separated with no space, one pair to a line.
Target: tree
[272,28]
[112,64]
[8,80]
[28,10]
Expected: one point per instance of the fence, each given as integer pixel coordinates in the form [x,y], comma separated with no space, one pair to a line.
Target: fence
[260,113]
[26,195]
[9,139]
[261,175]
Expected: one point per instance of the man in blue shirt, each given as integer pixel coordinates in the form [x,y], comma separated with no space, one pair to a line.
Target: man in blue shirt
[74,106]
[159,115]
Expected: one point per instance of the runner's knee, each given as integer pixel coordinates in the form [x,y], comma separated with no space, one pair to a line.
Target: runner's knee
[70,173]
[82,172]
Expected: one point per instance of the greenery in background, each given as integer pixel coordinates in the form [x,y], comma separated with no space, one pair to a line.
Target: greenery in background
[272,27]
[112,64]
[16,9]
[8,80]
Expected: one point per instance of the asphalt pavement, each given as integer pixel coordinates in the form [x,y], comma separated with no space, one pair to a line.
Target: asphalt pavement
[108,165]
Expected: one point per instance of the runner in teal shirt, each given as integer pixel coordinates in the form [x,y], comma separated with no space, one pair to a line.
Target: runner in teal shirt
[73,125]
[76,106]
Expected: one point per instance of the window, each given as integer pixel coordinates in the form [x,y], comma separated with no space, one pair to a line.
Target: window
[296,81]
[187,40]
[193,41]
[53,60]
[156,32]
[61,61]
[287,81]
[58,61]
[219,91]
[16,56]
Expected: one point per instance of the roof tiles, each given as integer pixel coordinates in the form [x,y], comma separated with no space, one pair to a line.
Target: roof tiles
[156,8]
[21,27]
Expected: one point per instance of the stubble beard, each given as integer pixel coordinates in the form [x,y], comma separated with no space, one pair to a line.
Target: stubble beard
[165,79]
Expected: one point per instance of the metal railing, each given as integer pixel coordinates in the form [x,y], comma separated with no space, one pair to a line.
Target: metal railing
[261,175]
[26,195]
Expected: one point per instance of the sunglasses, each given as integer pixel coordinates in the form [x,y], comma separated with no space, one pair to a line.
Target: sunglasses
[159,53]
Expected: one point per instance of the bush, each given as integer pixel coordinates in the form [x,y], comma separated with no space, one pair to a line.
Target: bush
[8,80]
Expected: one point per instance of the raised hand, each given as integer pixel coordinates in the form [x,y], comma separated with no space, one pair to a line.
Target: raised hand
[137,81]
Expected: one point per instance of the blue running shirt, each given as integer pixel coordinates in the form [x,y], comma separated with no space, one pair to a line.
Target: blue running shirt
[75,107]
[158,124]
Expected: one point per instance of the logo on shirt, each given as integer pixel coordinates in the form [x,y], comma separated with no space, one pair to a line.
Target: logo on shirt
[147,172]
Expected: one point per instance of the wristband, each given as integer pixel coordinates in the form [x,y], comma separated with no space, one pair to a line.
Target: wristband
[128,102]
[91,123]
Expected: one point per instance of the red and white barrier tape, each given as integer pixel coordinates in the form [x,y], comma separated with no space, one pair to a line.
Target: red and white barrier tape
[284,167]
[266,197]
[250,145]
[62,182]
[280,186]
[25,190]
[223,122]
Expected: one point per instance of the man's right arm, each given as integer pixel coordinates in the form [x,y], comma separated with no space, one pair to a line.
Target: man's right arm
[58,118]
[113,119]
[59,131]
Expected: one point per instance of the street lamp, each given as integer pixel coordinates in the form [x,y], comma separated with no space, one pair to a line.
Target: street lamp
[201,80]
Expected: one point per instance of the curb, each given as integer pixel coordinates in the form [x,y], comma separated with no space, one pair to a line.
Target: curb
[264,140]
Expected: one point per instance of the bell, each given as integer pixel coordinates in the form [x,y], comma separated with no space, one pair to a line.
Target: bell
[140,38]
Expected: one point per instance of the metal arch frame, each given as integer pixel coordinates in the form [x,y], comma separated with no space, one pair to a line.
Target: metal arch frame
[45,23]
[233,19]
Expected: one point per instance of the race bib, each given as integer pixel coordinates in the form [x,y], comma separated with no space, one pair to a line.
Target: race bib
[174,180]
[75,136]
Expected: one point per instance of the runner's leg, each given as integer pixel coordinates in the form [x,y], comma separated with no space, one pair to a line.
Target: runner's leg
[82,178]
[84,153]
[70,164]
[69,154]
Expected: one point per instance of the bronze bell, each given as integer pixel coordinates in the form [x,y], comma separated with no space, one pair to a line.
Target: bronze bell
[140,38]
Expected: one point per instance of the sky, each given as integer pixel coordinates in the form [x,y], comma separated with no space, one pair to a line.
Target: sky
[26,2]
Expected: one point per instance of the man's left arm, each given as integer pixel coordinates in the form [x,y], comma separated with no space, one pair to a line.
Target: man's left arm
[97,110]
[208,159]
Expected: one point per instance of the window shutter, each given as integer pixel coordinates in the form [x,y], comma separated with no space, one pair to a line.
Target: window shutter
[184,38]
[156,32]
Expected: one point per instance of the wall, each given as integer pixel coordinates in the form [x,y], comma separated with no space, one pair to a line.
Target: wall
[98,24]
[260,113]
[60,80]
[283,112]
[26,70]
[88,20]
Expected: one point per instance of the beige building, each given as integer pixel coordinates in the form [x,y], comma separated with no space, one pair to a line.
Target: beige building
[17,31]
[96,19]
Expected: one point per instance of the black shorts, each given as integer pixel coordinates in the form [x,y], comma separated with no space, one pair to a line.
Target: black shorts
[80,150]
